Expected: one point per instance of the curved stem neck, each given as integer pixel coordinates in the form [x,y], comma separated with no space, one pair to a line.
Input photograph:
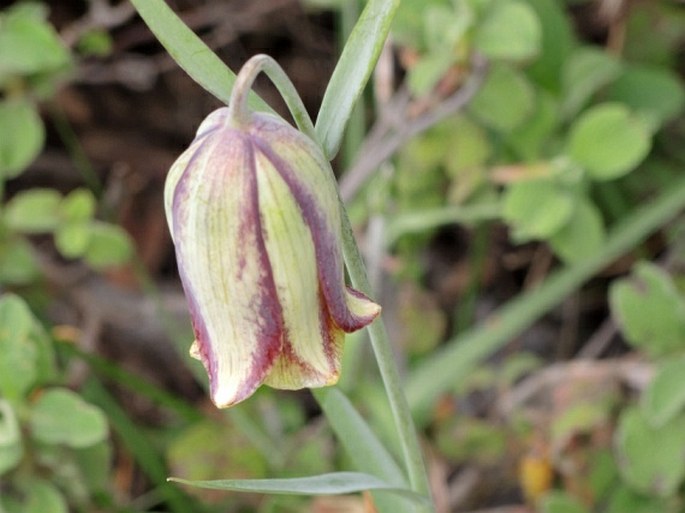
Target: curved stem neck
[240,113]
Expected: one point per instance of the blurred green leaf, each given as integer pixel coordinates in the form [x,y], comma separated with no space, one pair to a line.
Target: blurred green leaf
[655,91]
[428,71]
[78,205]
[532,137]
[609,141]
[11,448]
[651,459]
[582,236]
[625,500]
[324,484]
[586,71]
[664,398]
[18,365]
[72,239]
[557,42]
[17,263]
[510,31]
[21,136]
[60,416]
[33,211]
[43,497]
[537,209]
[505,100]
[561,502]
[94,464]
[29,44]
[649,310]
[95,42]
[108,245]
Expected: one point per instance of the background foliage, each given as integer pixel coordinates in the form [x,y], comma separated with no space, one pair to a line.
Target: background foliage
[515,177]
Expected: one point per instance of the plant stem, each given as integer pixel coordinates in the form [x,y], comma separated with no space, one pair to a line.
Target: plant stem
[411,450]
[240,110]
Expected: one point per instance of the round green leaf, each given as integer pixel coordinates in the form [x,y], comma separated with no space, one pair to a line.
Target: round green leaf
[649,310]
[33,211]
[536,209]
[11,449]
[43,497]
[18,364]
[72,239]
[664,398]
[60,416]
[108,245]
[78,205]
[17,263]
[608,141]
[585,72]
[510,31]
[651,459]
[656,91]
[582,236]
[505,100]
[21,136]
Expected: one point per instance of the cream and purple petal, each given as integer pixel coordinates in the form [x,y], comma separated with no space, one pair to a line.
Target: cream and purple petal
[224,267]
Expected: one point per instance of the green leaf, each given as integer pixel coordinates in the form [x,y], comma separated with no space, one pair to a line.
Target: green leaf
[561,502]
[72,239]
[651,459]
[17,264]
[557,42]
[362,445]
[649,310]
[43,497]
[29,44]
[78,205]
[531,138]
[334,483]
[537,209]
[356,63]
[609,141]
[21,136]
[33,211]
[625,500]
[190,53]
[108,245]
[510,31]
[586,71]
[18,364]
[664,398]
[505,100]
[428,71]
[60,416]
[582,236]
[11,449]
[655,91]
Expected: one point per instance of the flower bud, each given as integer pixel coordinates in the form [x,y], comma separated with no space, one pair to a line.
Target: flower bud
[256,223]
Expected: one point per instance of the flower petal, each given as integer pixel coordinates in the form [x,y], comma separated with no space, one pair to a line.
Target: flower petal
[224,267]
[311,348]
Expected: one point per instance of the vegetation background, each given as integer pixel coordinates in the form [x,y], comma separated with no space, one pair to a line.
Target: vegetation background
[515,176]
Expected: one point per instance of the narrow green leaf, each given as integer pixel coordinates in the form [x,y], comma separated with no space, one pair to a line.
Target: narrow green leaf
[191,54]
[21,136]
[334,483]
[365,449]
[352,72]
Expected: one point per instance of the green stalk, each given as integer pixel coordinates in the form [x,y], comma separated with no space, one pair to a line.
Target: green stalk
[444,369]
[411,450]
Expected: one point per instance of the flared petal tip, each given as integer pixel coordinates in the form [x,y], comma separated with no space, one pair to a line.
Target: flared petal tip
[363,310]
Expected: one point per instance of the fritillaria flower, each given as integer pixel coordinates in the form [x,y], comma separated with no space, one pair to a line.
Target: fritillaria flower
[256,223]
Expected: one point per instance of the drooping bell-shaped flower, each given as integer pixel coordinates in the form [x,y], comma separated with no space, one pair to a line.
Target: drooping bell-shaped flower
[256,223]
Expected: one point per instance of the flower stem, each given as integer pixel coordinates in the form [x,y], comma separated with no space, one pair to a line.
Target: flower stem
[240,111]
[411,450]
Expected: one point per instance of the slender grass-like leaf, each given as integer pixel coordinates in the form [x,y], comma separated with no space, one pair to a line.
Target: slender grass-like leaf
[352,72]
[334,483]
[445,368]
[191,54]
